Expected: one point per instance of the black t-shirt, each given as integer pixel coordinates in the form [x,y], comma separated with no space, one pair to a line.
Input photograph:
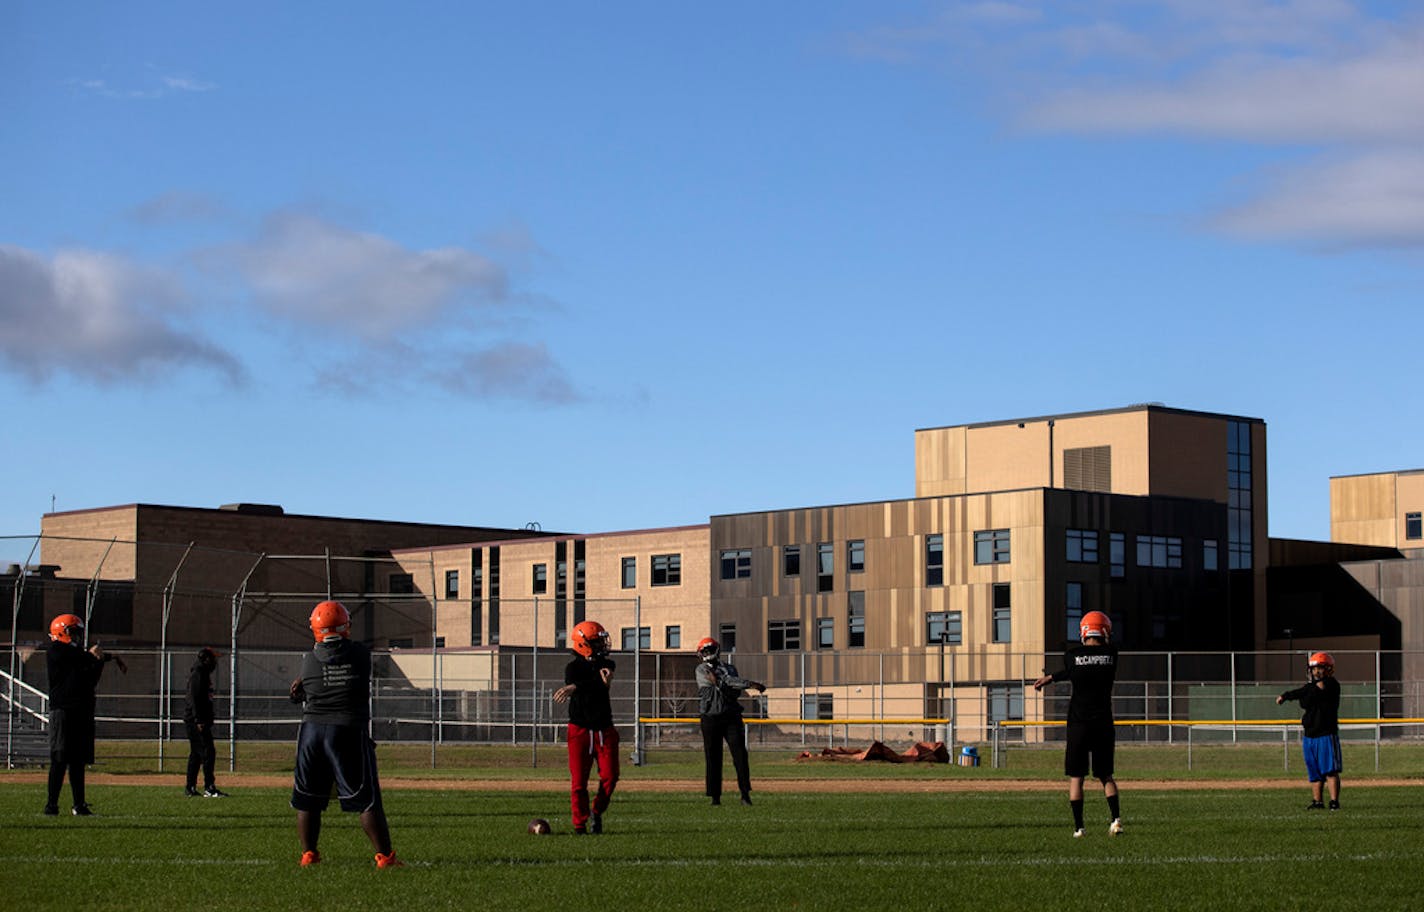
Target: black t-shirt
[198,702]
[73,675]
[1321,705]
[337,679]
[589,705]
[1092,669]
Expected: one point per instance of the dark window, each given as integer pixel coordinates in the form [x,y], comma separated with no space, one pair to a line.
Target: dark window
[672,637]
[818,706]
[402,584]
[452,584]
[477,582]
[644,641]
[783,635]
[727,636]
[1238,493]
[737,564]
[934,560]
[791,560]
[825,633]
[1413,526]
[1082,546]
[1117,554]
[630,573]
[541,579]
[991,546]
[1003,627]
[439,642]
[855,619]
[944,626]
[1159,551]
[667,569]
[494,595]
[1073,610]
[855,556]
[401,643]
[1005,702]
[825,567]
[1209,554]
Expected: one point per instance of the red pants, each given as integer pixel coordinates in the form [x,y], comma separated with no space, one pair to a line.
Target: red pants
[585,746]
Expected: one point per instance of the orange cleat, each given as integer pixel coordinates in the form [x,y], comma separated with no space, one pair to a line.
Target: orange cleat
[388,861]
[310,858]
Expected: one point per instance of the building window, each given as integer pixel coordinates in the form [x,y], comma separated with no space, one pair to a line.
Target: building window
[1073,611]
[401,584]
[672,637]
[667,569]
[1159,551]
[791,560]
[991,546]
[736,564]
[1003,629]
[817,706]
[934,560]
[727,636]
[477,584]
[825,567]
[401,643]
[855,556]
[944,626]
[644,638]
[1413,526]
[630,573]
[493,615]
[1117,554]
[439,642]
[1082,546]
[541,579]
[825,633]
[1238,491]
[855,619]
[1005,702]
[783,635]
[452,584]
[1209,554]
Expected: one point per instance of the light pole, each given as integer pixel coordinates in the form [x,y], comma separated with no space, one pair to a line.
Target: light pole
[1290,650]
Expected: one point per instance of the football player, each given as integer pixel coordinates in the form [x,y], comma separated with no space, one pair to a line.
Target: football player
[1091,668]
[73,675]
[591,735]
[1319,698]
[720,718]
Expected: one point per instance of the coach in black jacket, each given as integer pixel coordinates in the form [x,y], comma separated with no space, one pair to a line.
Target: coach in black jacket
[198,720]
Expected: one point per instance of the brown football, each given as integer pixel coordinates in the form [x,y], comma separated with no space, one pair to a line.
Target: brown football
[540,827]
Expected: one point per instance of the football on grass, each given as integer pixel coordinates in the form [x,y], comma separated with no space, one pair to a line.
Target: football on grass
[540,827]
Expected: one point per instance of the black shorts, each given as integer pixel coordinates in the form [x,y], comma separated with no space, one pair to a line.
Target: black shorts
[1089,744]
[71,736]
[340,756]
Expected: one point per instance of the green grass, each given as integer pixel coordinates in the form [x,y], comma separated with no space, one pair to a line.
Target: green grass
[1197,849]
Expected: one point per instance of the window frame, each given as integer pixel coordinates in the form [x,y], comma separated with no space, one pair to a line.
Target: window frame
[934,569]
[628,573]
[736,563]
[991,546]
[670,572]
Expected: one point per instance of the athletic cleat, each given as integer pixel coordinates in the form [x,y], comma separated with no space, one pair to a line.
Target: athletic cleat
[310,858]
[82,810]
[1334,805]
[212,792]
[1315,806]
[51,810]
[388,861]
[596,824]
[716,800]
[191,792]
[746,798]
[1115,828]
[1078,833]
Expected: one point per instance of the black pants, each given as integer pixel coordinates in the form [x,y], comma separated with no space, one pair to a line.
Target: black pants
[715,730]
[71,747]
[201,753]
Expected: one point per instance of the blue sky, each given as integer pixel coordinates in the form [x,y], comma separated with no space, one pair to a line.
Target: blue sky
[626,265]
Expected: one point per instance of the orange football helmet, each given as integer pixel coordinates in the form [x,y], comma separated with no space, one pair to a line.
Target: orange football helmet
[708,649]
[589,639]
[1323,661]
[63,628]
[1095,624]
[330,620]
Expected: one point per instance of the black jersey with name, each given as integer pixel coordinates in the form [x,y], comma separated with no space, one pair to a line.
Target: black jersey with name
[1092,669]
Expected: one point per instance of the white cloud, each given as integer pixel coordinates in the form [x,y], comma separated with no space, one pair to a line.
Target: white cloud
[177,206]
[1370,200]
[149,85]
[96,316]
[303,268]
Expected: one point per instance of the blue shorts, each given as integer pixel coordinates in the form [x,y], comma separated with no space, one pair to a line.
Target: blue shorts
[340,756]
[1322,756]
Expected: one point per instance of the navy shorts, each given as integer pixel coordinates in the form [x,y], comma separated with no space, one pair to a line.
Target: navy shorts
[1090,744]
[335,756]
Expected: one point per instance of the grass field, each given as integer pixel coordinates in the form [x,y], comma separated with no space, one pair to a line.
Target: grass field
[1194,848]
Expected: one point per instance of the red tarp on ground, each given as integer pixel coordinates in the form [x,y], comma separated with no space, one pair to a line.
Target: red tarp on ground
[920,751]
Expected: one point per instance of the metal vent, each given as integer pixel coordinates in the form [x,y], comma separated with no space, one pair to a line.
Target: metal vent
[1088,468]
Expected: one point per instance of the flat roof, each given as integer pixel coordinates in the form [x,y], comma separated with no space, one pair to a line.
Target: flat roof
[1139,407]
